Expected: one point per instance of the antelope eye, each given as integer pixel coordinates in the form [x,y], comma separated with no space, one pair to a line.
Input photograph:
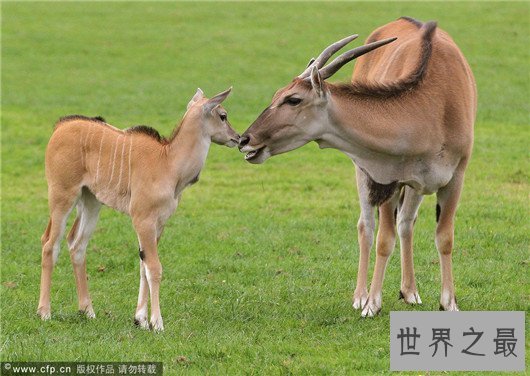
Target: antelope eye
[293,101]
[223,117]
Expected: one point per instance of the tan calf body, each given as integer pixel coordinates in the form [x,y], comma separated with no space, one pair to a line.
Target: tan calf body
[134,171]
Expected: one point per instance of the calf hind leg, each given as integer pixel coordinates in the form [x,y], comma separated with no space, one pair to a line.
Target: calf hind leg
[61,204]
[88,208]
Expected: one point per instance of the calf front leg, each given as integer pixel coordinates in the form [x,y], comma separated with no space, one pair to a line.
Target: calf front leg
[88,212]
[140,317]
[147,237]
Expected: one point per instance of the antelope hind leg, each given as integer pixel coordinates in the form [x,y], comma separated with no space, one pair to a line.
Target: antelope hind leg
[406,219]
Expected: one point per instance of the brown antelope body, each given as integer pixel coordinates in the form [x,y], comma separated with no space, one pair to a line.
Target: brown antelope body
[90,163]
[406,121]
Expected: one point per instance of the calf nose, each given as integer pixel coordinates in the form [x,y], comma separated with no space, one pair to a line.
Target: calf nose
[243,140]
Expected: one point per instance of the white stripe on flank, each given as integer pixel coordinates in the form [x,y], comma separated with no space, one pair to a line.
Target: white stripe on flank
[81,150]
[91,135]
[121,164]
[85,150]
[99,155]
[130,153]
[86,136]
[88,141]
[113,160]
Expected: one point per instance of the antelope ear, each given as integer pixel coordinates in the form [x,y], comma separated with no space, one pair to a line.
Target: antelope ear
[217,100]
[198,96]
[316,81]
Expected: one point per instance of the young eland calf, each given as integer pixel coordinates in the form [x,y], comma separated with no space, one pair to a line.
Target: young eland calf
[134,171]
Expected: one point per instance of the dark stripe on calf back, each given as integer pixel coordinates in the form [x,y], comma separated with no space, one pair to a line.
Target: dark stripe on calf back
[149,131]
[142,254]
[438,212]
[98,119]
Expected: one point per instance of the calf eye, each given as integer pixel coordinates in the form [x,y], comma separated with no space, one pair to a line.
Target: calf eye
[223,117]
[293,101]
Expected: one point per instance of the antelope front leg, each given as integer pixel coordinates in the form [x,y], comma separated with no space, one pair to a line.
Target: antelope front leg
[147,236]
[386,241]
[448,198]
[365,232]
[365,228]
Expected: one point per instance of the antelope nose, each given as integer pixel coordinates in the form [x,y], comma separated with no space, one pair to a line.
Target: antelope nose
[243,140]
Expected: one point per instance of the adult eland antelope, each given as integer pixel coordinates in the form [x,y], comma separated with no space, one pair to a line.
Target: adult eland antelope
[406,121]
[135,171]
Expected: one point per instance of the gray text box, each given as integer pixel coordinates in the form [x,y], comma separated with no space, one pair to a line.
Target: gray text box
[419,341]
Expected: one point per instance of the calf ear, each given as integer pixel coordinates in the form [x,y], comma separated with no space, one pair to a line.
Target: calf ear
[198,96]
[217,100]
[317,82]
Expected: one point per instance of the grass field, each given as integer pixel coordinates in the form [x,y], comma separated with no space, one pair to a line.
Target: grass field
[259,261]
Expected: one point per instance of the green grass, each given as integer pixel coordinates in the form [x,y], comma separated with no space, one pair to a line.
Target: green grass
[259,261]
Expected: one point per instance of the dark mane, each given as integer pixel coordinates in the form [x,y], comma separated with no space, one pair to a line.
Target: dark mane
[143,129]
[395,88]
[373,37]
[98,119]
[413,21]
[149,131]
